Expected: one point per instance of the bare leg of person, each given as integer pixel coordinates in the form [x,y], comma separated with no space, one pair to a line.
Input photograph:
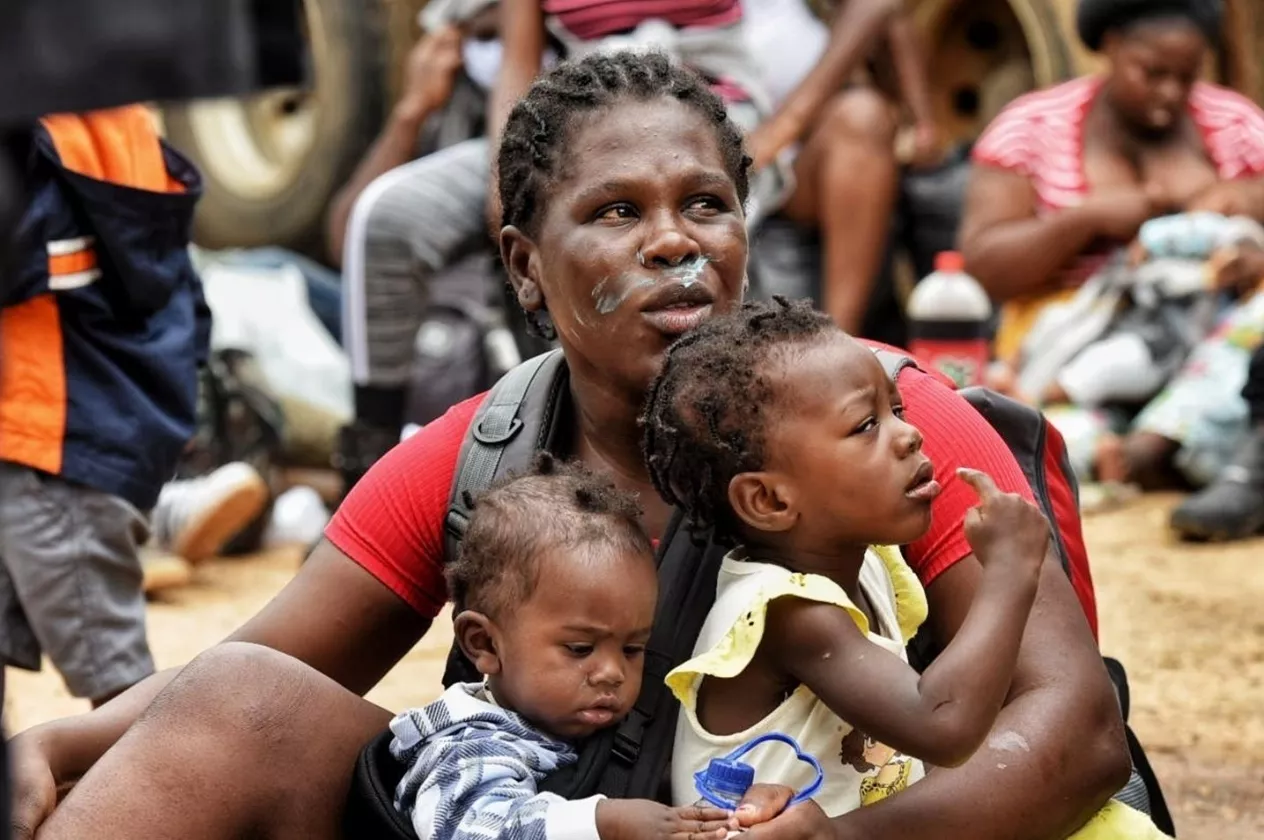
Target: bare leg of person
[847,176]
[1141,458]
[246,742]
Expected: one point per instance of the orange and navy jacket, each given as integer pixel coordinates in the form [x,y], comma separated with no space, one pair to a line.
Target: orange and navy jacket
[103,323]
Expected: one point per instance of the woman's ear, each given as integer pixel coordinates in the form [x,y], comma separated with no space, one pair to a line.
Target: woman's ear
[764,501]
[522,263]
[476,635]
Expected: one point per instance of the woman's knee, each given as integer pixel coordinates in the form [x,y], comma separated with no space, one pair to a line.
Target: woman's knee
[236,687]
[859,116]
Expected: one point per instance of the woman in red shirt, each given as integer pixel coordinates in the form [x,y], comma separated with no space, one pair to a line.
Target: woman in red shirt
[622,184]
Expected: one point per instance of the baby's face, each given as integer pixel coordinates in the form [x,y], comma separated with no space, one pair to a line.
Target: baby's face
[853,470]
[571,655]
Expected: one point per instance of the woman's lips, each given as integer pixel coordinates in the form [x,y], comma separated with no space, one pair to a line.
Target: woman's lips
[678,320]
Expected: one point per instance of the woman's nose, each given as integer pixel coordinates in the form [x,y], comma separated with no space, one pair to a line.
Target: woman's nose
[666,244]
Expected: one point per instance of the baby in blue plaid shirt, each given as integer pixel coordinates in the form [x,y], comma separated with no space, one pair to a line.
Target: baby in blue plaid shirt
[555,589]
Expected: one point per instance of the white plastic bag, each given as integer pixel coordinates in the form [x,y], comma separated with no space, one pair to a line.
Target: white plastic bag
[265,311]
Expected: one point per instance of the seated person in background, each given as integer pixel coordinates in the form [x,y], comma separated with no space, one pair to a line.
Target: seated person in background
[560,662]
[813,478]
[1067,175]
[841,131]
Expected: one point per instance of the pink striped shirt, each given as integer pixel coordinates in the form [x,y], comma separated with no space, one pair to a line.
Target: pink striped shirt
[590,20]
[1041,136]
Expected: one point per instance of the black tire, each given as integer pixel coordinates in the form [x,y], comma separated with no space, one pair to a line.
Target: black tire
[983,53]
[344,110]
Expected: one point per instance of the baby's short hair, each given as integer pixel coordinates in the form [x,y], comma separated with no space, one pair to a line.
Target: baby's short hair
[553,505]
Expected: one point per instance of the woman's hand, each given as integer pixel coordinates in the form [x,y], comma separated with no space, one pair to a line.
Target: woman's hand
[1119,213]
[430,72]
[928,146]
[1238,270]
[1232,198]
[763,811]
[34,787]
[768,140]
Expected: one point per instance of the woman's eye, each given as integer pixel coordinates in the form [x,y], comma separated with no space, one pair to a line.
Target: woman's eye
[579,650]
[898,411]
[616,212]
[706,204]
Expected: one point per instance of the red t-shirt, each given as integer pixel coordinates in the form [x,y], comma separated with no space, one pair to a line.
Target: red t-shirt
[391,523]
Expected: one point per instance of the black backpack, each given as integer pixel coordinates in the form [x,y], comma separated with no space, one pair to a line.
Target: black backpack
[521,416]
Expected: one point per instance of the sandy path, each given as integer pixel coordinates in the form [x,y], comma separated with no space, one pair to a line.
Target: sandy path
[1187,621]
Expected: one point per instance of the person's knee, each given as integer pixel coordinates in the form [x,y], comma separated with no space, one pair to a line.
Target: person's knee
[859,116]
[236,688]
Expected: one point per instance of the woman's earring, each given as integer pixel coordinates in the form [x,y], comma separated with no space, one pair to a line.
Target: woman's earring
[540,324]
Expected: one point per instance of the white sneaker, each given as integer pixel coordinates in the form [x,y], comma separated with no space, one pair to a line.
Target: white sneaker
[196,517]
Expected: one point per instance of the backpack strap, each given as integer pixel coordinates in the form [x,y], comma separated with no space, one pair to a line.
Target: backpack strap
[516,420]
[688,566]
[894,363]
[513,423]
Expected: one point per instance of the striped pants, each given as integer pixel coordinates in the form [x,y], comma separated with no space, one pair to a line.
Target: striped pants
[407,225]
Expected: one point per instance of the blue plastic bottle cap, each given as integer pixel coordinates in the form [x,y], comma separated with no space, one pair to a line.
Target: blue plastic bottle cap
[731,778]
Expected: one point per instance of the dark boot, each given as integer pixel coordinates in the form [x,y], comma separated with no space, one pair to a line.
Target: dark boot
[1232,507]
[359,447]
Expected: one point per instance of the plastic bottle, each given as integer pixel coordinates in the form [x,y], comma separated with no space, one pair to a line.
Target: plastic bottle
[950,314]
[724,781]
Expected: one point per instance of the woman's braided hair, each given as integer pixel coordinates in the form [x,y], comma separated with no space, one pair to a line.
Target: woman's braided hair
[533,147]
[706,412]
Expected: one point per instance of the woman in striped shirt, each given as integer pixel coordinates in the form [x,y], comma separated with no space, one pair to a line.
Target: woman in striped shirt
[1066,175]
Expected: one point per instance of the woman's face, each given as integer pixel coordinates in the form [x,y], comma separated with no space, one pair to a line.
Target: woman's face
[1153,67]
[642,238]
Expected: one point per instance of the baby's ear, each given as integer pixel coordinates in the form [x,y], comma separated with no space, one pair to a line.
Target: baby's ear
[764,501]
[476,635]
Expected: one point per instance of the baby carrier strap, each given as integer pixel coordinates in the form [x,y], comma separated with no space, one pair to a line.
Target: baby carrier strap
[519,418]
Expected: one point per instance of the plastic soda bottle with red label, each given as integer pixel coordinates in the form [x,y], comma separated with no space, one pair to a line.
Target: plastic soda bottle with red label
[949,321]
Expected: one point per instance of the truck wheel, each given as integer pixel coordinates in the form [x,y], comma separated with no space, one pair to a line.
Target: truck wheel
[983,53]
[272,161]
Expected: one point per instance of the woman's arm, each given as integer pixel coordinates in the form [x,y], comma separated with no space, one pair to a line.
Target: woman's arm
[910,68]
[1056,753]
[522,33]
[431,72]
[853,31]
[334,616]
[1013,252]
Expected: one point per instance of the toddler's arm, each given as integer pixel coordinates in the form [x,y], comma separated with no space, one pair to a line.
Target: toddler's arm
[943,715]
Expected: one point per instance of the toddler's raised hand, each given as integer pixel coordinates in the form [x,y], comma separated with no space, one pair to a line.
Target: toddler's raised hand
[1004,528]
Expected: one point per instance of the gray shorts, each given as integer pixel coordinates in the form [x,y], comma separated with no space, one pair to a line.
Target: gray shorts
[70,582]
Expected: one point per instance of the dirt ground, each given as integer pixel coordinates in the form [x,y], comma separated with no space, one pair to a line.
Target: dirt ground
[1186,620]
